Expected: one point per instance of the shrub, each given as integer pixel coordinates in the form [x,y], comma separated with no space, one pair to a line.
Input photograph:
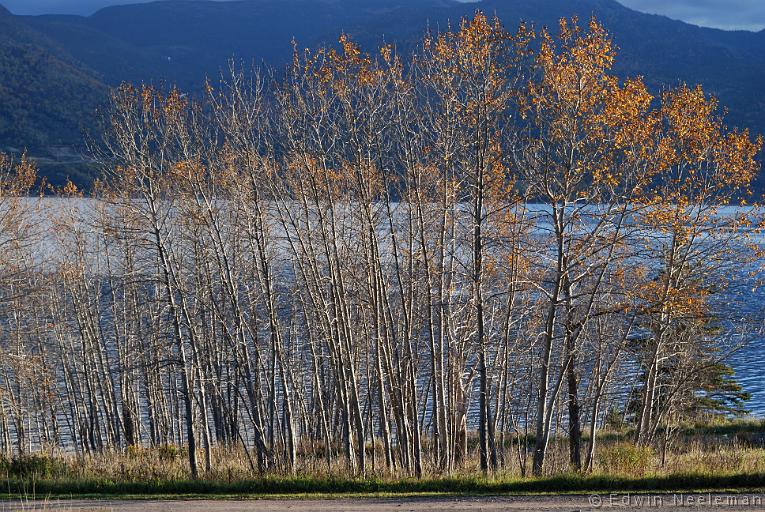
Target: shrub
[626,459]
[35,466]
[614,420]
[134,451]
[168,452]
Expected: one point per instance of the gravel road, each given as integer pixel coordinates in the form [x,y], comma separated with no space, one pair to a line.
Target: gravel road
[616,502]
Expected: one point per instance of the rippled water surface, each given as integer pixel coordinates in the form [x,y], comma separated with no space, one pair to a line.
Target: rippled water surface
[748,363]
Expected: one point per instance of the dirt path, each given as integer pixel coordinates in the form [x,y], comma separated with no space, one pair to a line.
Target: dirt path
[620,502]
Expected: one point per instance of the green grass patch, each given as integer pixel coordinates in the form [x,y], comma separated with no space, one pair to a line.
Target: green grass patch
[319,487]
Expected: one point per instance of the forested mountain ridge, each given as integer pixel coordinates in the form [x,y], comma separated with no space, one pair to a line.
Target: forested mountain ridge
[54,68]
[44,92]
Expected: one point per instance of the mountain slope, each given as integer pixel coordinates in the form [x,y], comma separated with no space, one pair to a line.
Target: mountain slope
[45,95]
[184,41]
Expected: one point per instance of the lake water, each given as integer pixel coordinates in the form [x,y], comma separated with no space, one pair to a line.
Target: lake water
[748,362]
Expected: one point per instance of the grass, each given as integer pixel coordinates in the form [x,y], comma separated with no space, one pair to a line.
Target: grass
[740,427]
[329,487]
[719,457]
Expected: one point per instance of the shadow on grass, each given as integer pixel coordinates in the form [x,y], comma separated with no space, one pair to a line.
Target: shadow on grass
[329,486]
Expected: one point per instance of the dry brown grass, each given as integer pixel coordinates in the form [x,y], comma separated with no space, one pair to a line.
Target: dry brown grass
[694,453]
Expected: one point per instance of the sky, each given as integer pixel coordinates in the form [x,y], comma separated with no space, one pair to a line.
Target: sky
[725,14]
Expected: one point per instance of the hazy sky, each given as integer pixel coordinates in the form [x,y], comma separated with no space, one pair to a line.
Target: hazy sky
[727,14]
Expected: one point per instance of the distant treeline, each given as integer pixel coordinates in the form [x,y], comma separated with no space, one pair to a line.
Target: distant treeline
[348,264]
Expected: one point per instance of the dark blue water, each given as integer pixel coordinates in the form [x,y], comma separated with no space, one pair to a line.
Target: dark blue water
[749,364]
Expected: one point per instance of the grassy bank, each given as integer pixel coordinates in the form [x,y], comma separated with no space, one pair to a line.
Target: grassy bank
[719,457]
[322,487]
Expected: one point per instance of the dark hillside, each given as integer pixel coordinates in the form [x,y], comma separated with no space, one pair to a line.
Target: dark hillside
[53,67]
[45,94]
